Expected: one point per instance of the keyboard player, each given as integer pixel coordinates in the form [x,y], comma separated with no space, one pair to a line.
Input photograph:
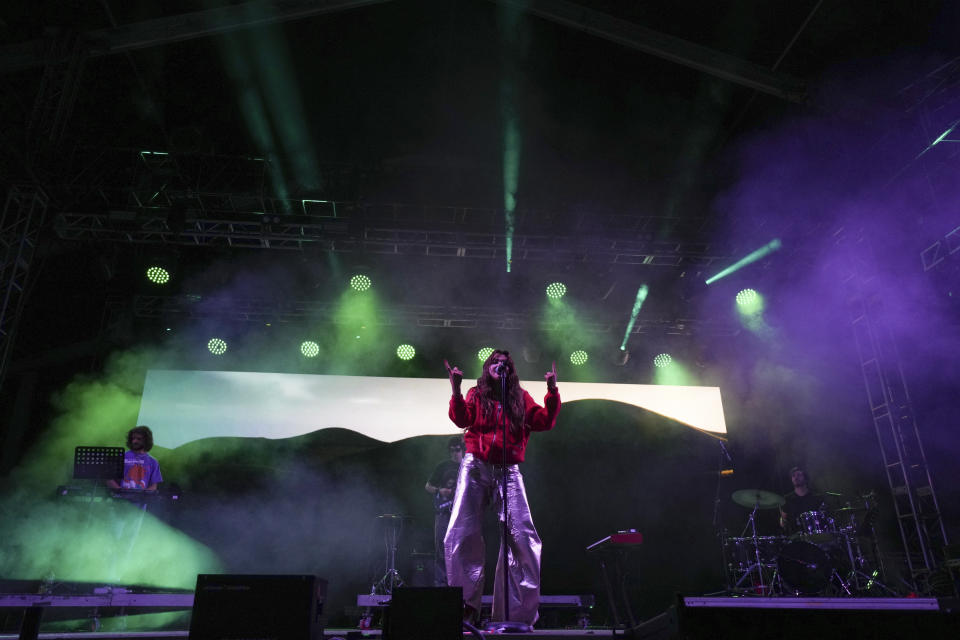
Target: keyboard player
[141,471]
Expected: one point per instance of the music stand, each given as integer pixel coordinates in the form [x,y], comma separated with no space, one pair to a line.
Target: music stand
[98,463]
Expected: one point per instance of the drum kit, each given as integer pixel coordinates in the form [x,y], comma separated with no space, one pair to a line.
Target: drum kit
[832,553]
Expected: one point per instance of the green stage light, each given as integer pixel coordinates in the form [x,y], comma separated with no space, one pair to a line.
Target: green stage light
[360,282]
[556,290]
[406,352]
[158,275]
[484,353]
[578,357]
[217,346]
[765,250]
[309,348]
[662,360]
[749,302]
[642,292]
[746,297]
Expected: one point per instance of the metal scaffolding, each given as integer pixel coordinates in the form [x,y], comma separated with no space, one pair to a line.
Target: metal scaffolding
[203,200]
[918,514]
[263,310]
[23,215]
[363,232]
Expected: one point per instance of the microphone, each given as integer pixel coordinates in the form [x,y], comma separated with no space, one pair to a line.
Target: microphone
[500,367]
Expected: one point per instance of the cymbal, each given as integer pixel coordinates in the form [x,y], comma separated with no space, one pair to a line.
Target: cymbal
[762,499]
[842,509]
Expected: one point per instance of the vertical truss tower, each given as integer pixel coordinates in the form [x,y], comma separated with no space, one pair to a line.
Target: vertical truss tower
[911,486]
[23,215]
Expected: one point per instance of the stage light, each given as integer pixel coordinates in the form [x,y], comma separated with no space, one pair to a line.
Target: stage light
[484,353]
[578,357]
[749,302]
[406,352]
[642,292]
[309,348]
[746,297]
[556,290]
[217,346]
[512,144]
[360,282]
[158,275]
[762,252]
[662,360]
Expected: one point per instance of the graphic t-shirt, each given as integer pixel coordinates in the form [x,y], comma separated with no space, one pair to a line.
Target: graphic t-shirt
[140,470]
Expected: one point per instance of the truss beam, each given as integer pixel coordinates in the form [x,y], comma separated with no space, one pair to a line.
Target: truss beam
[262,310]
[665,46]
[20,224]
[179,28]
[348,235]
[919,519]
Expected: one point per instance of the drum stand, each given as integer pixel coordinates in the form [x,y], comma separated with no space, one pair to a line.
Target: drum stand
[393,524]
[860,580]
[756,565]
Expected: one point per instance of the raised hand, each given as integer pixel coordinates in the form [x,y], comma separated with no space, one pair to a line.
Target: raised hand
[551,377]
[455,375]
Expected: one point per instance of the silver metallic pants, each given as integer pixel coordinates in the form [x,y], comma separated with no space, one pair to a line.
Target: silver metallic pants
[478,486]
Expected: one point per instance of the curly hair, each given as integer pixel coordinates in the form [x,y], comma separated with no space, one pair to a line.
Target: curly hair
[489,392]
[144,431]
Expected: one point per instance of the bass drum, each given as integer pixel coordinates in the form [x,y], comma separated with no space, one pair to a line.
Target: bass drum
[805,568]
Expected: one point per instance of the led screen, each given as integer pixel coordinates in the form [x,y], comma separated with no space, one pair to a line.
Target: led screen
[182,406]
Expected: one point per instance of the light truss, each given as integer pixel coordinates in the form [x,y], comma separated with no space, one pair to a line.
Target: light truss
[156,197]
[264,310]
[20,225]
[918,515]
[940,250]
[353,234]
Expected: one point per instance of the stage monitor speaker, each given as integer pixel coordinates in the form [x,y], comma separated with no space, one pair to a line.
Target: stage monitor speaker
[424,613]
[261,607]
[423,570]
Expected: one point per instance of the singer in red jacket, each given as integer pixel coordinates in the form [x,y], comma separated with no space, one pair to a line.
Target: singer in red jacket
[481,415]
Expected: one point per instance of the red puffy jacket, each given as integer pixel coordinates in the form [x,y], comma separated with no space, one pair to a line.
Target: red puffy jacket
[484,436]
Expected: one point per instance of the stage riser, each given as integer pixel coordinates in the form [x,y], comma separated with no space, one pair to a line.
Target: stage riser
[704,623]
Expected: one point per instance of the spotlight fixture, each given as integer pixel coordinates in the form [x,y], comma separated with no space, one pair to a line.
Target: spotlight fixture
[217,346]
[406,352]
[484,353]
[360,282]
[578,357]
[309,348]
[662,360]
[746,297]
[158,275]
[556,290]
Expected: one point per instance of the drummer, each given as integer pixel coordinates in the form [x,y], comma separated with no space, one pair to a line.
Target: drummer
[798,501]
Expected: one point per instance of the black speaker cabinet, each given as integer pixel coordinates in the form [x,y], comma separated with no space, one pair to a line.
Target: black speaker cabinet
[239,607]
[424,613]
[423,570]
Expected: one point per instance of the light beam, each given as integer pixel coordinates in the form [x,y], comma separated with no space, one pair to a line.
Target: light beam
[638,303]
[762,252]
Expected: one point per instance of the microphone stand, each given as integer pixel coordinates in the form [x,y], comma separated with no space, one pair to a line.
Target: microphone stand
[718,529]
[505,625]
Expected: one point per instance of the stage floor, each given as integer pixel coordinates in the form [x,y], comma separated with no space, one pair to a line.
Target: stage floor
[328,634]
[692,617]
